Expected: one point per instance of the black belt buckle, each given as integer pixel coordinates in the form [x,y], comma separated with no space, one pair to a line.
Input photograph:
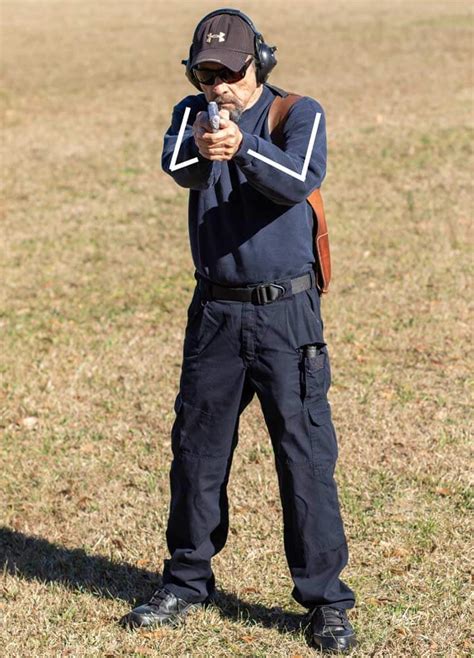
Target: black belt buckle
[268,292]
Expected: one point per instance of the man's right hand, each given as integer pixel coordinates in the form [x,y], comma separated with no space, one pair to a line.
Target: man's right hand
[221,145]
[201,126]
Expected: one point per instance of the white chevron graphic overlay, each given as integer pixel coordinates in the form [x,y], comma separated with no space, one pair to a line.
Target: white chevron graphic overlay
[290,172]
[174,157]
[174,165]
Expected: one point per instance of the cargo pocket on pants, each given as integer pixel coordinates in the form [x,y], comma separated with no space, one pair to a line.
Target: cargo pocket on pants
[323,439]
[194,432]
[314,369]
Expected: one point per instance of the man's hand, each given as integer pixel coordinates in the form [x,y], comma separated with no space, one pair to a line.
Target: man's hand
[222,145]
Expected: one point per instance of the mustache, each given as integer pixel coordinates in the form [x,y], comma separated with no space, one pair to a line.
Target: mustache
[236,112]
[220,100]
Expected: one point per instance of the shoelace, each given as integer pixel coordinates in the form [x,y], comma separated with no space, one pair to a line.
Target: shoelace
[158,597]
[331,616]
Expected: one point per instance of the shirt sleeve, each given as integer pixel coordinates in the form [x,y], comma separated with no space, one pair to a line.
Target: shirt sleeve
[278,185]
[199,175]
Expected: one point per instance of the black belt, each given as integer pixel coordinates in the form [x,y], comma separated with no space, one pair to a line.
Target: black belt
[262,293]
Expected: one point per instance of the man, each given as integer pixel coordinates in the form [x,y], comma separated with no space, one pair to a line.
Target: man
[254,326]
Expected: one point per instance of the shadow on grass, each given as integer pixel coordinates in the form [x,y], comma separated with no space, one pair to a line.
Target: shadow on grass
[34,558]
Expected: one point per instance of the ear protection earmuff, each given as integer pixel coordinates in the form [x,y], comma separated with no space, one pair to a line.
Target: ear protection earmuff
[265,60]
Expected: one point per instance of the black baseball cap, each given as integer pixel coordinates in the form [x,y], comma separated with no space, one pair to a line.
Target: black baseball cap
[226,39]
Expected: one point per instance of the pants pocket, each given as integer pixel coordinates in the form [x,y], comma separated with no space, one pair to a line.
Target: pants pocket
[323,439]
[314,371]
[194,432]
[201,329]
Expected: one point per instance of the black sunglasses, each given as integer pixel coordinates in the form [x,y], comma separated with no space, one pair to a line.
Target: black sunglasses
[208,76]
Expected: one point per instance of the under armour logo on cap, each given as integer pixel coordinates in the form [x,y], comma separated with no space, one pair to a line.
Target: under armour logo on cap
[220,36]
[224,38]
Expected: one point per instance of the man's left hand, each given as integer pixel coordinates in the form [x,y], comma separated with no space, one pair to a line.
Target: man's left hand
[222,145]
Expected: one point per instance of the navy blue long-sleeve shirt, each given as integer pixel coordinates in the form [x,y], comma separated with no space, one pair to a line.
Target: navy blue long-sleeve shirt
[248,221]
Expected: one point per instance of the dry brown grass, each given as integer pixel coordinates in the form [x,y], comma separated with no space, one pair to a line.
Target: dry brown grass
[94,248]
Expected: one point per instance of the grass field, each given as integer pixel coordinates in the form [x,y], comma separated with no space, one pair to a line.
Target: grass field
[94,251]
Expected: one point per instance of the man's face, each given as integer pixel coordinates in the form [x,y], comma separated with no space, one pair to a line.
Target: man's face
[233,97]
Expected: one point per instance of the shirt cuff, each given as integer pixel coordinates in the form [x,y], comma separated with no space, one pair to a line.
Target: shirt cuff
[248,142]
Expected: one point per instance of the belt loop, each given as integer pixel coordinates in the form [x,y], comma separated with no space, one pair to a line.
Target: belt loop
[205,290]
[201,285]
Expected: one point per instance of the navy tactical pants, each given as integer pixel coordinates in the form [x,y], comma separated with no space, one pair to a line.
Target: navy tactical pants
[233,350]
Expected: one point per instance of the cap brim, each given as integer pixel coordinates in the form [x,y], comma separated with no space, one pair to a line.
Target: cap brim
[232,59]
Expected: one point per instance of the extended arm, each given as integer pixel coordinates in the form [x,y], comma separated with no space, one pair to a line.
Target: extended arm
[278,185]
[197,176]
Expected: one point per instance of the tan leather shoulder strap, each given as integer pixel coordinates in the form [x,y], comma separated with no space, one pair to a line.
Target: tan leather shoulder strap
[277,115]
[276,120]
